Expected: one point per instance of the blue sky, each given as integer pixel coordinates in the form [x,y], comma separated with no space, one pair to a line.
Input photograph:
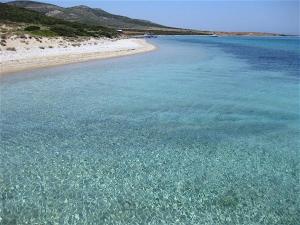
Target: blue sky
[281,16]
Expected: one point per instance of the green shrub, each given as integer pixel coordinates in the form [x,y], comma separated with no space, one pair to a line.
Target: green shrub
[32,28]
[44,33]
[63,30]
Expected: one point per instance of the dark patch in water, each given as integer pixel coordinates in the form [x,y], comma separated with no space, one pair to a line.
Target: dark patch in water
[259,57]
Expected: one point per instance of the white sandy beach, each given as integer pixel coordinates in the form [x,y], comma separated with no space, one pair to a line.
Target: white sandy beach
[25,53]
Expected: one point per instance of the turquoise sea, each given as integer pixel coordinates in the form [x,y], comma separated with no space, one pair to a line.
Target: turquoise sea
[201,131]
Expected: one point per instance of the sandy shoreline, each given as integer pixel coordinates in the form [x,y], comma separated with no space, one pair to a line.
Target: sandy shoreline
[59,52]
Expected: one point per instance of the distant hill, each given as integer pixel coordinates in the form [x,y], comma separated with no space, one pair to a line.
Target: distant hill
[98,17]
[87,15]
[49,26]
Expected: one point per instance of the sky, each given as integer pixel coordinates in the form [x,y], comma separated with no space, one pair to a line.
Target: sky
[276,16]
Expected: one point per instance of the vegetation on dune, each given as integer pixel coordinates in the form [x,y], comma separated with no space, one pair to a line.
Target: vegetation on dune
[32,28]
[51,26]
[64,30]
[44,33]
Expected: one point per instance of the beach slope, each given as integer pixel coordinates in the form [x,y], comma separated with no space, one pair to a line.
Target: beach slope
[27,53]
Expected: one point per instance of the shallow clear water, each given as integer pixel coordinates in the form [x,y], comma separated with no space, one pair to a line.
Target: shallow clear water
[203,131]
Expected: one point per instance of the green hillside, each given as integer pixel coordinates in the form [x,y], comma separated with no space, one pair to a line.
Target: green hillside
[50,26]
[87,15]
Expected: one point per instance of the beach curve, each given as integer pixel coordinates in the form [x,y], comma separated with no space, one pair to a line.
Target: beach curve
[34,57]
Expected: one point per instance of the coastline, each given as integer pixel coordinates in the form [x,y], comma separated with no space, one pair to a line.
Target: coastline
[34,58]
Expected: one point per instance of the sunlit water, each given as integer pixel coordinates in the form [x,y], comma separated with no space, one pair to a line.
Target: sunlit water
[202,131]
